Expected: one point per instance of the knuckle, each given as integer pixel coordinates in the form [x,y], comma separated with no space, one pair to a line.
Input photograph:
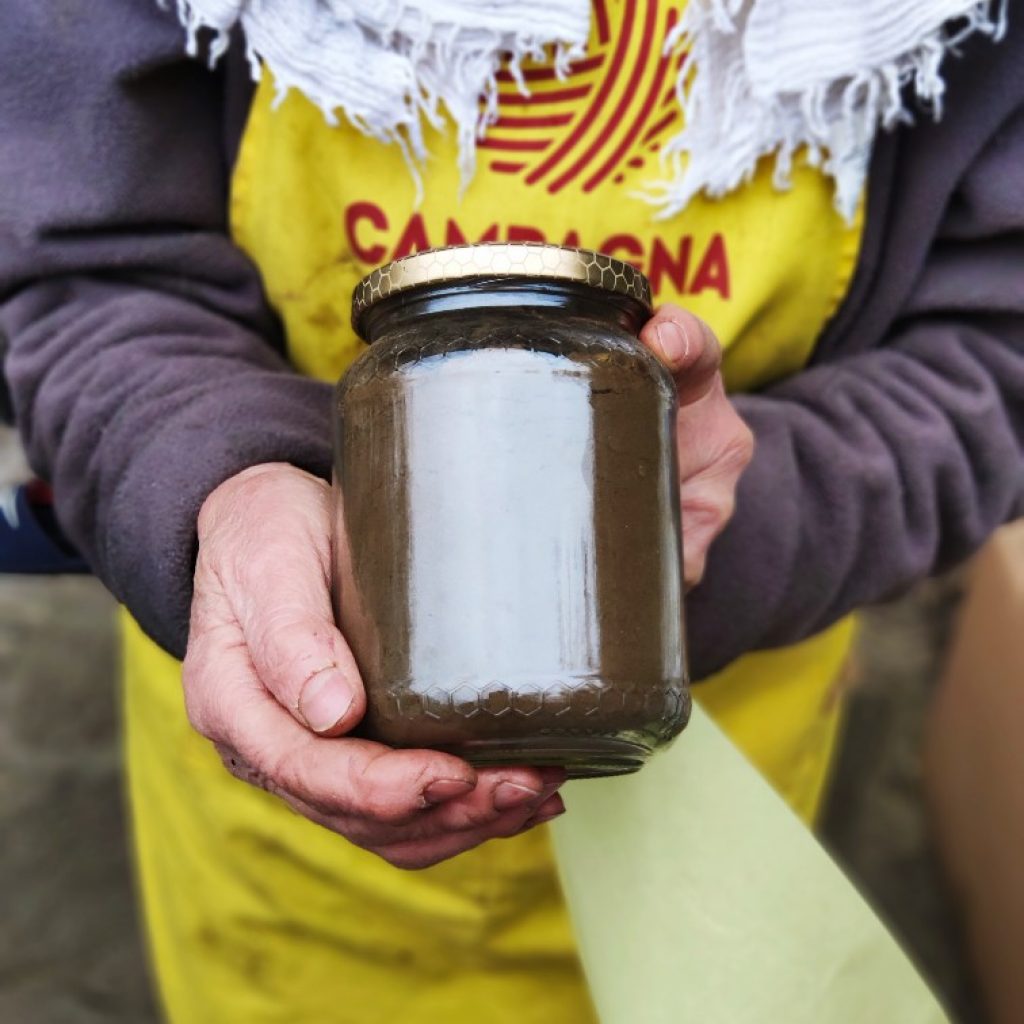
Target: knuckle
[386,809]
[294,771]
[479,817]
[275,483]
[379,803]
[734,455]
[707,514]
[510,825]
[245,772]
[286,770]
[225,501]
[744,443]
[288,642]
[271,488]
[739,447]
[479,813]
[289,647]
[254,777]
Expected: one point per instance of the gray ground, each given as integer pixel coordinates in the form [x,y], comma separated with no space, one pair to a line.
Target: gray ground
[69,943]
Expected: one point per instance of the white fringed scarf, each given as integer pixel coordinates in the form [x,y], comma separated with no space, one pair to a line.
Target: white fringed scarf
[762,77]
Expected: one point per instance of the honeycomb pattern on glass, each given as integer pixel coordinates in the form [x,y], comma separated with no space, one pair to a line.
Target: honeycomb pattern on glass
[661,710]
[500,259]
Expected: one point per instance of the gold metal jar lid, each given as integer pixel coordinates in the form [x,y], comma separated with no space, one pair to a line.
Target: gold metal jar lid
[499,259]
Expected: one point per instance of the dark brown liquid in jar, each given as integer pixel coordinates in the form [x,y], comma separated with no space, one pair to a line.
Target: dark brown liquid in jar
[507,547]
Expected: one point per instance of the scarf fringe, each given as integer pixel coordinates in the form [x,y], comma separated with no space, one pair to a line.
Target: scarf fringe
[728,129]
[392,66]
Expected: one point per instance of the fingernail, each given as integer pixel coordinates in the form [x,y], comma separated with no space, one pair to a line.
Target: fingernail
[541,819]
[510,794]
[325,700]
[675,345]
[446,789]
[550,809]
[549,790]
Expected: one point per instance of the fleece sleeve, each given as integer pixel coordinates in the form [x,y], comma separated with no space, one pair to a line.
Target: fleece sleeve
[880,466]
[142,357]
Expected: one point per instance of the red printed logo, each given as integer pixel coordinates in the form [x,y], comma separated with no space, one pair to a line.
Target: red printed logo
[607,117]
[611,110]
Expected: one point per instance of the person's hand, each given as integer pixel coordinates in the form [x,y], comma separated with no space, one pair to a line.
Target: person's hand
[715,445]
[270,680]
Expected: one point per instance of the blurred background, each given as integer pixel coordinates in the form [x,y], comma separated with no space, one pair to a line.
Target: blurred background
[70,950]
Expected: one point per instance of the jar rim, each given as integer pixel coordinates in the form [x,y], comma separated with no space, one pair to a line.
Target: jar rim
[537,261]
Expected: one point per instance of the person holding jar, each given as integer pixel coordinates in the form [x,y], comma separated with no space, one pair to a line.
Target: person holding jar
[184,244]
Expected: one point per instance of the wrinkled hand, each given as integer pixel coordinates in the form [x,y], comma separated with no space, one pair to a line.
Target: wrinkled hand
[715,445]
[270,680]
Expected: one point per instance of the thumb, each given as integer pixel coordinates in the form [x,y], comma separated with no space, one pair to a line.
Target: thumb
[302,659]
[274,562]
[688,349]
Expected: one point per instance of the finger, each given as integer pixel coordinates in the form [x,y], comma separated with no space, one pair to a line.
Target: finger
[707,506]
[425,853]
[687,347]
[712,437]
[499,792]
[261,745]
[277,580]
[227,703]
[714,448]
[429,832]
[419,852]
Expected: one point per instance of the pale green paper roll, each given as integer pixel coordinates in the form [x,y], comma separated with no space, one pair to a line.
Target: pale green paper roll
[697,896]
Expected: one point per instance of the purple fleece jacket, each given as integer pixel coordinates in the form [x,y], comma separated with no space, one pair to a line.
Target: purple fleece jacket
[146,366]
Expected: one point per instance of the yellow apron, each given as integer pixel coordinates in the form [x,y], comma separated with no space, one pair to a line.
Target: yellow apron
[253,913]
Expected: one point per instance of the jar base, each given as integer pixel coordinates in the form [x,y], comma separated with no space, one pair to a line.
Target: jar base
[588,757]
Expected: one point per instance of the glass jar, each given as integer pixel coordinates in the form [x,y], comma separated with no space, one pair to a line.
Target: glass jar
[508,562]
